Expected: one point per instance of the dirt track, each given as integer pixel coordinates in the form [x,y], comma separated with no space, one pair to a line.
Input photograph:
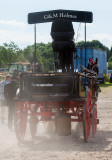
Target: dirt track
[53,147]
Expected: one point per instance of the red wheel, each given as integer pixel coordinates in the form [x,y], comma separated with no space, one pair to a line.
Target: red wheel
[87,117]
[94,120]
[20,120]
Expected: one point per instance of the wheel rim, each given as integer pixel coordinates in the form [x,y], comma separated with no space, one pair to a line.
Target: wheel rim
[20,121]
[87,117]
[94,120]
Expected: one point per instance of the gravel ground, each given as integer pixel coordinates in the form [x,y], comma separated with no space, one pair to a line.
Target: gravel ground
[49,146]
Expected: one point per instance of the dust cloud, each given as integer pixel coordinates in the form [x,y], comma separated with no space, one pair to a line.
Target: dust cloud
[49,146]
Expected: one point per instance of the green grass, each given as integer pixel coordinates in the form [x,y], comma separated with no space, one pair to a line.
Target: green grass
[107,84]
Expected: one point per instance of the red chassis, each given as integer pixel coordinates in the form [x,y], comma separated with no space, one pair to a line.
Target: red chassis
[79,110]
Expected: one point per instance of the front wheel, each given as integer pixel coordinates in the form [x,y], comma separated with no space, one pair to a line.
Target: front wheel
[20,120]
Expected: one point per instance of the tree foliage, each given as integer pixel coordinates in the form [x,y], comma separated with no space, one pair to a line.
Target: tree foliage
[10,53]
[92,44]
[44,55]
[110,65]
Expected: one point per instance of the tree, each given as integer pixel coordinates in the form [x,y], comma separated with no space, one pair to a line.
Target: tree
[44,55]
[111,49]
[109,65]
[93,44]
[110,59]
[10,53]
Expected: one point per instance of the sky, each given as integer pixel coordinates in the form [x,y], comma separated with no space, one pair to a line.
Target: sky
[14,20]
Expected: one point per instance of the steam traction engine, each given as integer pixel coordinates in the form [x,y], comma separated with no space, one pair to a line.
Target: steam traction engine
[63,97]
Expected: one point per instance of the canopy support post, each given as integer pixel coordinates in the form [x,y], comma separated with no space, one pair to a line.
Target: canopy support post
[85,44]
[34,56]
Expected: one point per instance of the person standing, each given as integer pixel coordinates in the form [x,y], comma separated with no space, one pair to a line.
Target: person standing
[10,90]
[3,102]
[2,84]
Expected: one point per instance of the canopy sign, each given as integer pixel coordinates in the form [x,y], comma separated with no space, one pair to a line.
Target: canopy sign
[49,16]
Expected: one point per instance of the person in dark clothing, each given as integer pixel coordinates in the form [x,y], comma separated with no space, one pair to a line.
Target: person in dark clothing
[93,65]
[90,63]
[10,90]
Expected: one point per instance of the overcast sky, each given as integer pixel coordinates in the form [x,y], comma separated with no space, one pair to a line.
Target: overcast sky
[14,25]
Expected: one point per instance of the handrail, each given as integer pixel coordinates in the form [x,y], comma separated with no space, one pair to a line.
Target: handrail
[89,71]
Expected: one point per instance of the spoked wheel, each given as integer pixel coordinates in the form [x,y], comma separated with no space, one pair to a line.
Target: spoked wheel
[94,120]
[87,117]
[20,120]
[33,126]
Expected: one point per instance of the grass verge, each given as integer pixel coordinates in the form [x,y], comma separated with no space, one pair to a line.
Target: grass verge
[107,84]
